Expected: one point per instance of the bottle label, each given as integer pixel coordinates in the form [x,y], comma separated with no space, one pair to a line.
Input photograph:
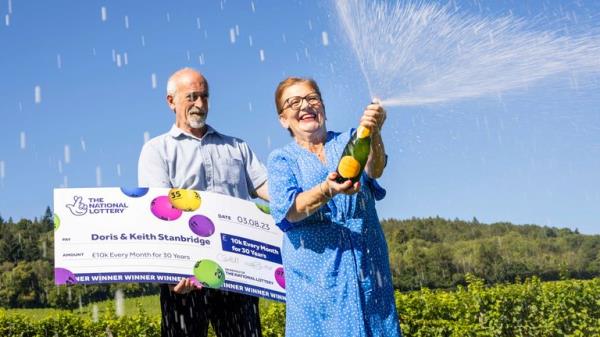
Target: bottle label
[348,167]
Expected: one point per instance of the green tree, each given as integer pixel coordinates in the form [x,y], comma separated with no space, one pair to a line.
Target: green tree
[10,248]
[48,220]
[21,287]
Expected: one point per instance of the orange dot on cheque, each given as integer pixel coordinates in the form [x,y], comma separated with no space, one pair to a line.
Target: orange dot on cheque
[348,167]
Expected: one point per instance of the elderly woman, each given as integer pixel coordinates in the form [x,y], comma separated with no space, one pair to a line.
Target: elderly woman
[335,257]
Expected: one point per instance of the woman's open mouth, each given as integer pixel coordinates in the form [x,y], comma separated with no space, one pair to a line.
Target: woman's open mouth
[308,117]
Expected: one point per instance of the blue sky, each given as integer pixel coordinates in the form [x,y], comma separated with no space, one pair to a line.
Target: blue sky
[528,156]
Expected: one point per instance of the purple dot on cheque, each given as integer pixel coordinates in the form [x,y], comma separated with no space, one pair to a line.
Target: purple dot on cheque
[64,276]
[279,277]
[202,225]
[134,192]
[161,208]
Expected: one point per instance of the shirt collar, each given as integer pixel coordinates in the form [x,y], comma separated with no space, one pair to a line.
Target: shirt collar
[176,132]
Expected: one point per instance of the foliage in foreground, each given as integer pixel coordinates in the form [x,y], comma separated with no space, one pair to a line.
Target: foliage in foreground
[532,308]
[73,325]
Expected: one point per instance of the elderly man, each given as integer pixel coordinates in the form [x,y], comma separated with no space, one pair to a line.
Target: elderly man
[193,155]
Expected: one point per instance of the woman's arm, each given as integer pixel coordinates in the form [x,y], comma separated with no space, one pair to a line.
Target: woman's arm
[376,161]
[308,202]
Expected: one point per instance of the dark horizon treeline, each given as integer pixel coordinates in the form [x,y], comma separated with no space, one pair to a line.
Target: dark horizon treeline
[427,252]
[27,270]
[438,253]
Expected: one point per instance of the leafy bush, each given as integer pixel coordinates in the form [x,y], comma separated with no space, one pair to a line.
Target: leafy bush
[531,308]
[63,324]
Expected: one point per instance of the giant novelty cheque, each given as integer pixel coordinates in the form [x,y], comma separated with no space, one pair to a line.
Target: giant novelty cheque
[111,235]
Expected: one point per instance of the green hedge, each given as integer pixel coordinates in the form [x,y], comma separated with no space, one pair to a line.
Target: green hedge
[63,324]
[531,308]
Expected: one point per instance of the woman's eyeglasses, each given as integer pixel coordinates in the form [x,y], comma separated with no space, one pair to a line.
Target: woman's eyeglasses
[295,102]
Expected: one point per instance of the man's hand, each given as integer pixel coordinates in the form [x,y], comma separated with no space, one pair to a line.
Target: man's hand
[184,286]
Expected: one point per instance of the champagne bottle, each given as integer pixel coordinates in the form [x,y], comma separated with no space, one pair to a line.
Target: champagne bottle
[355,155]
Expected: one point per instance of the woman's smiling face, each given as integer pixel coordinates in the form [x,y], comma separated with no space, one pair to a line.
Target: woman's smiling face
[302,110]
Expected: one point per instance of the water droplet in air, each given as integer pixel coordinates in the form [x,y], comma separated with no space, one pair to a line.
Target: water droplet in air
[232,35]
[67,154]
[325,38]
[37,92]
[23,140]
[119,303]
[95,313]
[153,81]
[103,13]
[98,176]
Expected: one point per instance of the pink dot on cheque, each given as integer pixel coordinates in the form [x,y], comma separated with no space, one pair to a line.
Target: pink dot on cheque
[161,208]
[195,281]
[280,277]
[202,225]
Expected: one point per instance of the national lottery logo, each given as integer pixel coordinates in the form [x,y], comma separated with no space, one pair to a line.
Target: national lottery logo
[95,205]
[77,208]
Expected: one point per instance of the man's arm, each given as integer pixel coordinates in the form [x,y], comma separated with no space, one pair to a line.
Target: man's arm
[153,172]
[256,173]
[263,191]
[152,168]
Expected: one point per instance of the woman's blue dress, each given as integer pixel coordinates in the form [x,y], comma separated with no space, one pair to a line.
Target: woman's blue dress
[337,272]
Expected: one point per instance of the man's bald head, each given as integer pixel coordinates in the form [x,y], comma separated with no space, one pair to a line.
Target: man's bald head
[184,75]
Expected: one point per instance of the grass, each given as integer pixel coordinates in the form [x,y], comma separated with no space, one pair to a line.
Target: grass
[150,304]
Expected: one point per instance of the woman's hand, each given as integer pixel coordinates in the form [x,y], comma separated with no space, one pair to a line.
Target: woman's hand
[308,202]
[330,187]
[374,116]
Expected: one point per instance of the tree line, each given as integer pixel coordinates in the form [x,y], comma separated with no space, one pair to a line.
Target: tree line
[27,270]
[424,252]
[438,253]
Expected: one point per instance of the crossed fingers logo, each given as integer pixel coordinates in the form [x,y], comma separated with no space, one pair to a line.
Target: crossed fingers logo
[78,208]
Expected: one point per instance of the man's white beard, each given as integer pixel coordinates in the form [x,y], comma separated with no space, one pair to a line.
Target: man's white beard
[196,121]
